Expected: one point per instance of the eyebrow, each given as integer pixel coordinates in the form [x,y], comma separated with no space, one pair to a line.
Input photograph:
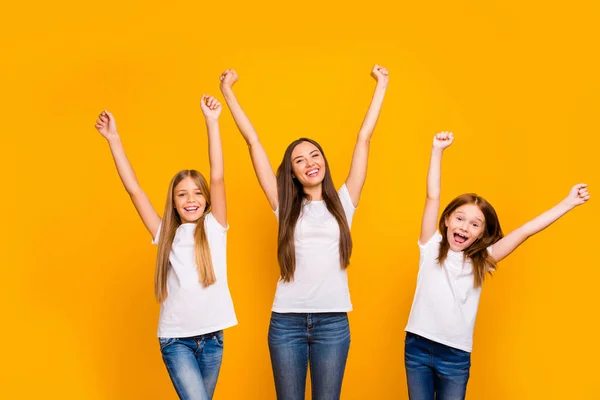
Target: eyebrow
[185,190]
[317,150]
[462,212]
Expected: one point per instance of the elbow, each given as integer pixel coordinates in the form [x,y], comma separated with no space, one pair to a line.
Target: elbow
[364,139]
[218,179]
[253,143]
[433,196]
[135,191]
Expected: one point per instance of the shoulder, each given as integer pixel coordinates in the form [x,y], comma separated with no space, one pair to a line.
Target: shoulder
[211,223]
[345,198]
[433,241]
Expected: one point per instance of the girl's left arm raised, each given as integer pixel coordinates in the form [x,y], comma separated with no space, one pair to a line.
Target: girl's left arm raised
[211,108]
[358,169]
[577,196]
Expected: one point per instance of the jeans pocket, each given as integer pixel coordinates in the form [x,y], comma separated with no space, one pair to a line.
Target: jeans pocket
[459,352]
[410,338]
[219,339]
[164,342]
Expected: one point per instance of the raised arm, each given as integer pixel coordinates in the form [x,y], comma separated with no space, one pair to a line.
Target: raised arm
[358,168]
[211,108]
[105,124]
[260,161]
[434,180]
[577,196]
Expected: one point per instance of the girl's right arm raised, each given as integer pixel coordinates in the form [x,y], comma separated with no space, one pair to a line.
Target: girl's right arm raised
[432,201]
[260,160]
[105,124]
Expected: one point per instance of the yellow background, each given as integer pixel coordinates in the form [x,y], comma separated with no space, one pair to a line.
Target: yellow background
[517,83]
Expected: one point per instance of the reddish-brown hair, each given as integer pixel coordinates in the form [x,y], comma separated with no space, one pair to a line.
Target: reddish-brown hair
[477,252]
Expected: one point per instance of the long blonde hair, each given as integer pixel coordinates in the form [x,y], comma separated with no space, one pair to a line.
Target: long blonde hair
[169,225]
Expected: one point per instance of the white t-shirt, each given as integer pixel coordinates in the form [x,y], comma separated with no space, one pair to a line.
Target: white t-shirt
[446,302]
[320,284]
[189,308]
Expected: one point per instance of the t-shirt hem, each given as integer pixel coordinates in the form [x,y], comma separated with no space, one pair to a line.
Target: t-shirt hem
[438,340]
[202,331]
[310,310]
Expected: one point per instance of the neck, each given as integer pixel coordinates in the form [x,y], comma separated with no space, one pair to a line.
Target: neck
[315,192]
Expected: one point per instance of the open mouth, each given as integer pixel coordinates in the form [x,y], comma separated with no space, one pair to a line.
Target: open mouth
[460,238]
[191,209]
[312,172]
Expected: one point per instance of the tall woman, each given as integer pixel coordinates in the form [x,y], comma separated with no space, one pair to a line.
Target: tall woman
[309,322]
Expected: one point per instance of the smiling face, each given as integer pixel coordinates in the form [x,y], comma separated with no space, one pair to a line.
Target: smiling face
[308,164]
[189,201]
[464,226]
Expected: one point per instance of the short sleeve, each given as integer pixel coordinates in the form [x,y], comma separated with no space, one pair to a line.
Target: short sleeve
[349,208]
[436,238]
[214,225]
[157,237]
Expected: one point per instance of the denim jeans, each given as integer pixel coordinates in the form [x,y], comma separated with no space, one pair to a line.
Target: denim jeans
[434,370]
[318,340]
[193,364]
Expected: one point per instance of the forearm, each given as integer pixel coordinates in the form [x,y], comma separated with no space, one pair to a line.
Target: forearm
[239,116]
[434,174]
[368,125]
[545,219]
[124,167]
[215,151]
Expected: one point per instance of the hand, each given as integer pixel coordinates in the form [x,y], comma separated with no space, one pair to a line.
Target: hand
[380,74]
[211,107]
[228,78]
[443,140]
[106,125]
[578,195]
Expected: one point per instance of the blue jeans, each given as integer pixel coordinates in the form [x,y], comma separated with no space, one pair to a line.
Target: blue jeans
[434,370]
[193,364]
[297,340]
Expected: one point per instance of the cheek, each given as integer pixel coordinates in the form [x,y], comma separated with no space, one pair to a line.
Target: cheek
[296,170]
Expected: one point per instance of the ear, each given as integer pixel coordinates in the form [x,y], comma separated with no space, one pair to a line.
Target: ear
[446,221]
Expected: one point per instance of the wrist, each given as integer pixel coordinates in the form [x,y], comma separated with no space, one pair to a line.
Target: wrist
[566,204]
[226,89]
[381,85]
[113,139]
[211,121]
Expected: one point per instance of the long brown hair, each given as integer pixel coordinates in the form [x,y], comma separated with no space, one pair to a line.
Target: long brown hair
[170,222]
[477,252]
[291,197]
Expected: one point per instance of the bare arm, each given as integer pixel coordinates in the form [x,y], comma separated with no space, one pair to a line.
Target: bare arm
[358,169]
[577,196]
[260,160]
[211,108]
[432,201]
[107,127]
